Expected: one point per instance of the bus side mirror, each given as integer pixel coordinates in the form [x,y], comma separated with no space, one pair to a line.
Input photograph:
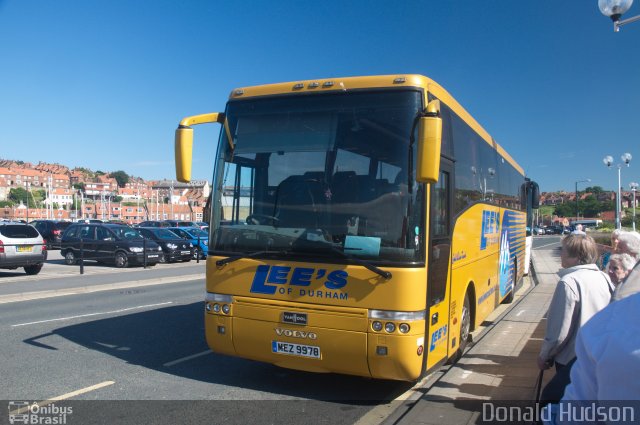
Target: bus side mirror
[429,144]
[535,196]
[184,142]
[184,153]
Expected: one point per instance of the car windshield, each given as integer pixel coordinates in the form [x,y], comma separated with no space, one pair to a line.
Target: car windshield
[124,232]
[195,232]
[164,234]
[319,175]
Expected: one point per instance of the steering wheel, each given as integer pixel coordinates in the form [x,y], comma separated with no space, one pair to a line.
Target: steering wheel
[261,219]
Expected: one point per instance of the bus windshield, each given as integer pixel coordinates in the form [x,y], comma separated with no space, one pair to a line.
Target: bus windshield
[322,176]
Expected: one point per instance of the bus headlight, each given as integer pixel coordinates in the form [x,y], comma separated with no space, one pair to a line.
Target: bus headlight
[389,327]
[226,309]
[404,328]
[376,326]
[216,308]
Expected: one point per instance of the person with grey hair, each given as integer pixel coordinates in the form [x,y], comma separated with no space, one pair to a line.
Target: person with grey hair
[619,267]
[629,243]
[583,290]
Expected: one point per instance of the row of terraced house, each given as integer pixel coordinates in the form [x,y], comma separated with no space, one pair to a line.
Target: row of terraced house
[94,195]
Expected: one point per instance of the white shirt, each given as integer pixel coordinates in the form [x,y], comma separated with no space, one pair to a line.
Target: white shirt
[608,363]
[571,308]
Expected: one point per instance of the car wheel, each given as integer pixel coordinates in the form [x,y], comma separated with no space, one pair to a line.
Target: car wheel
[121,260]
[70,258]
[31,270]
[197,254]
[163,258]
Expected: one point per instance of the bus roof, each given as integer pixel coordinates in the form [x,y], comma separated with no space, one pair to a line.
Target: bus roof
[380,81]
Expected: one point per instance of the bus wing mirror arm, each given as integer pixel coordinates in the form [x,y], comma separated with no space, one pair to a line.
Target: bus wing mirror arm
[429,144]
[184,142]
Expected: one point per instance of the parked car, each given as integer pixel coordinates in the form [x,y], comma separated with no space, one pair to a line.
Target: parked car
[21,246]
[198,237]
[538,231]
[51,231]
[153,223]
[173,246]
[108,243]
[202,224]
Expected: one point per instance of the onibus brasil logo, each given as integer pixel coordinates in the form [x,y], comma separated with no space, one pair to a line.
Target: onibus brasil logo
[24,412]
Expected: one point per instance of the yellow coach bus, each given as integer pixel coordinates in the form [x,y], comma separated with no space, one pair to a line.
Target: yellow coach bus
[360,225]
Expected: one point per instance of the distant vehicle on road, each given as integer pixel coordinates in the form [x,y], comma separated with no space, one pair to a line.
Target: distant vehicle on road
[21,246]
[173,246]
[538,231]
[108,243]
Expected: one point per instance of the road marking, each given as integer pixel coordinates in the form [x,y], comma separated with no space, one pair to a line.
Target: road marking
[520,312]
[185,359]
[63,396]
[36,295]
[92,314]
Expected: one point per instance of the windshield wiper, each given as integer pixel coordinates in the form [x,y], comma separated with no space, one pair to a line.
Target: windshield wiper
[228,260]
[387,275]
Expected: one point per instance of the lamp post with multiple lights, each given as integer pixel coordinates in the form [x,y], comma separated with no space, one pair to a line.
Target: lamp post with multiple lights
[608,161]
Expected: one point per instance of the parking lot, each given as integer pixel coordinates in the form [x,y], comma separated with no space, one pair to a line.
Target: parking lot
[55,267]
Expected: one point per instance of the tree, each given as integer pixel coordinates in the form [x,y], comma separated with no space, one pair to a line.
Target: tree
[567,209]
[20,195]
[117,199]
[79,186]
[594,189]
[121,177]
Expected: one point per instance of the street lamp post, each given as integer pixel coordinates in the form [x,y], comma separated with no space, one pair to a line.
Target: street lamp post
[614,9]
[608,161]
[634,187]
[578,209]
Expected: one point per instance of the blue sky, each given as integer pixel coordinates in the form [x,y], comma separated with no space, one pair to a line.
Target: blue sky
[103,84]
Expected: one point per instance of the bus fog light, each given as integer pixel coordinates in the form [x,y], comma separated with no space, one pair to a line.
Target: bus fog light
[381,351]
[221,330]
[404,328]
[389,327]
[376,326]
[226,309]
[216,308]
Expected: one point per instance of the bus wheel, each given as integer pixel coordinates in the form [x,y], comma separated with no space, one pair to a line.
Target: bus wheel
[465,325]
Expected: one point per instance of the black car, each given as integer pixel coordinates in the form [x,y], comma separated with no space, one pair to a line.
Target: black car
[108,243]
[174,247]
[51,231]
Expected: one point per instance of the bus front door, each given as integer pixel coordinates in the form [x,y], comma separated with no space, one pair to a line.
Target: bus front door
[439,265]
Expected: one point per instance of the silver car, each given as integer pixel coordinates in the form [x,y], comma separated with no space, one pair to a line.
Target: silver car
[21,246]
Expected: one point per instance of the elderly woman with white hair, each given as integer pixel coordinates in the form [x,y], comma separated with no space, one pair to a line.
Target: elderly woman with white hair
[619,267]
[629,243]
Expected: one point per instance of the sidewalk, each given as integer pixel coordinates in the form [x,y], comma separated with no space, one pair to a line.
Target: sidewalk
[501,364]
